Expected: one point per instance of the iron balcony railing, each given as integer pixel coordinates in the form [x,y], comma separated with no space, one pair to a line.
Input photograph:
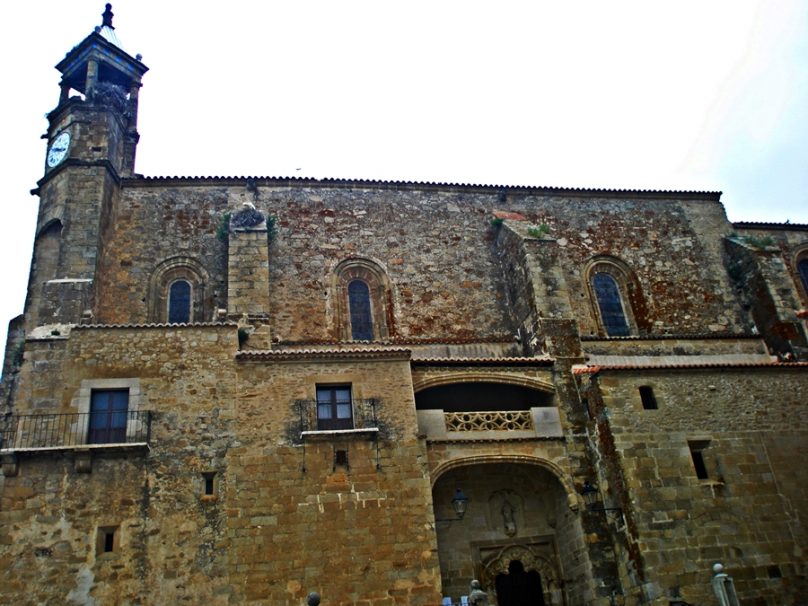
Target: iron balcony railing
[364,415]
[67,430]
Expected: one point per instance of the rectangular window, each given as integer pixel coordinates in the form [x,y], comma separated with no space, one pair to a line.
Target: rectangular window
[208,481]
[697,454]
[648,398]
[107,540]
[109,412]
[334,407]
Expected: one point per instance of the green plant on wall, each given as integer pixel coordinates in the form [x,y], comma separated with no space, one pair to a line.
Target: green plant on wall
[223,231]
[538,231]
[759,242]
[497,222]
[272,227]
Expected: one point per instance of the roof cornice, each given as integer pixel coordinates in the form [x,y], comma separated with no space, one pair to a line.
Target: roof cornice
[160,181]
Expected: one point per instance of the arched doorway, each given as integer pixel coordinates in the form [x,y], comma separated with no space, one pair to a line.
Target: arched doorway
[519,587]
[519,536]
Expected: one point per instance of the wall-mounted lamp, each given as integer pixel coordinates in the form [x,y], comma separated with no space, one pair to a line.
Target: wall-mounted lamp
[459,503]
[591,496]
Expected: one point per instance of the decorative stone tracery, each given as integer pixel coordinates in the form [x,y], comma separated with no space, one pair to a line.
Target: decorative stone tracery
[498,420]
[532,559]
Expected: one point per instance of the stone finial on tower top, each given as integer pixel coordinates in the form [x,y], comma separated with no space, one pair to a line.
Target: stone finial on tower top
[107,17]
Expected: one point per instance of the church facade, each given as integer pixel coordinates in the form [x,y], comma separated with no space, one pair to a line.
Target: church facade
[240,390]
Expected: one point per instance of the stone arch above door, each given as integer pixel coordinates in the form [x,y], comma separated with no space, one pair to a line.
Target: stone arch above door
[573,501]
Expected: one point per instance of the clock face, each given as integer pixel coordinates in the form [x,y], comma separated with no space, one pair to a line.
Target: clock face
[58,149]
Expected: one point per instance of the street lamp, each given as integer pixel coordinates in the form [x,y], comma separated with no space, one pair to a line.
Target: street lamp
[591,496]
[459,503]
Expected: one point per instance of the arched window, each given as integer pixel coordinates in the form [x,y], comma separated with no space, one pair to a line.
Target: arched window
[802,270]
[359,307]
[362,301]
[179,292]
[612,314]
[616,297]
[179,302]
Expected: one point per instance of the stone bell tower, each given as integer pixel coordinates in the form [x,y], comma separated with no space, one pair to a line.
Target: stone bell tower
[92,137]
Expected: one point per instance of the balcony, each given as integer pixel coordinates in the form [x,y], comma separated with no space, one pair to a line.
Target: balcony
[97,430]
[362,424]
[536,422]
[485,410]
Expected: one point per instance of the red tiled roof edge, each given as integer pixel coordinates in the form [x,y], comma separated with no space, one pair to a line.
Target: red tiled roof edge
[397,353]
[582,370]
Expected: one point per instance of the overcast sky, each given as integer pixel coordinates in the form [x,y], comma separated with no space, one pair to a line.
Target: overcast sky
[686,95]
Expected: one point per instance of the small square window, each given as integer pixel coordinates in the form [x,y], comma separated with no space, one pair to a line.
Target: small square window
[648,398]
[334,407]
[341,459]
[106,540]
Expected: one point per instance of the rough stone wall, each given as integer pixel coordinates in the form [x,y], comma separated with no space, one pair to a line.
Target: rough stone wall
[436,247]
[353,532]
[745,514]
[743,346]
[669,245]
[284,519]
[792,241]
[769,292]
[248,272]
[169,548]
[153,226]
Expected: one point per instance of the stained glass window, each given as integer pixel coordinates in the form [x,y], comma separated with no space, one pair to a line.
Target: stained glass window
[612,314]
[359,306]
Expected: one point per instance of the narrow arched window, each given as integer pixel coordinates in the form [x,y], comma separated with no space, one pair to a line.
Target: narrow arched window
[179,302]
[802,269]
[359,307]
[612,314]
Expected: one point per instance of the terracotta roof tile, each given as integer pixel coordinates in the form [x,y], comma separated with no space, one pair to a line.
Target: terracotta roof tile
[470,361]
[398,353]
[330,181]
[582,370]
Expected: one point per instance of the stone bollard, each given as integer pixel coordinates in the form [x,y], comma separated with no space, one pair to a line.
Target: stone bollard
[313,599]
[724,587]
[477,597]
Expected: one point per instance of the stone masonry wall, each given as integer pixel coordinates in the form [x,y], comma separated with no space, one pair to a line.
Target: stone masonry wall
[669,245]
[357,533]
[792,241]
[436,247]
[283,519]
[747,425]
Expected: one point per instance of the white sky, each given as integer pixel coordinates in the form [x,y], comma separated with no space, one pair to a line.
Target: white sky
[689,95]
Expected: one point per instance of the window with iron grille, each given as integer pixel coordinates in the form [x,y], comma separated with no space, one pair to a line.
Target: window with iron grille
[109,412]
[334,407]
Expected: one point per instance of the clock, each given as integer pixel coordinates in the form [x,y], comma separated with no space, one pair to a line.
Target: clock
[58,149]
